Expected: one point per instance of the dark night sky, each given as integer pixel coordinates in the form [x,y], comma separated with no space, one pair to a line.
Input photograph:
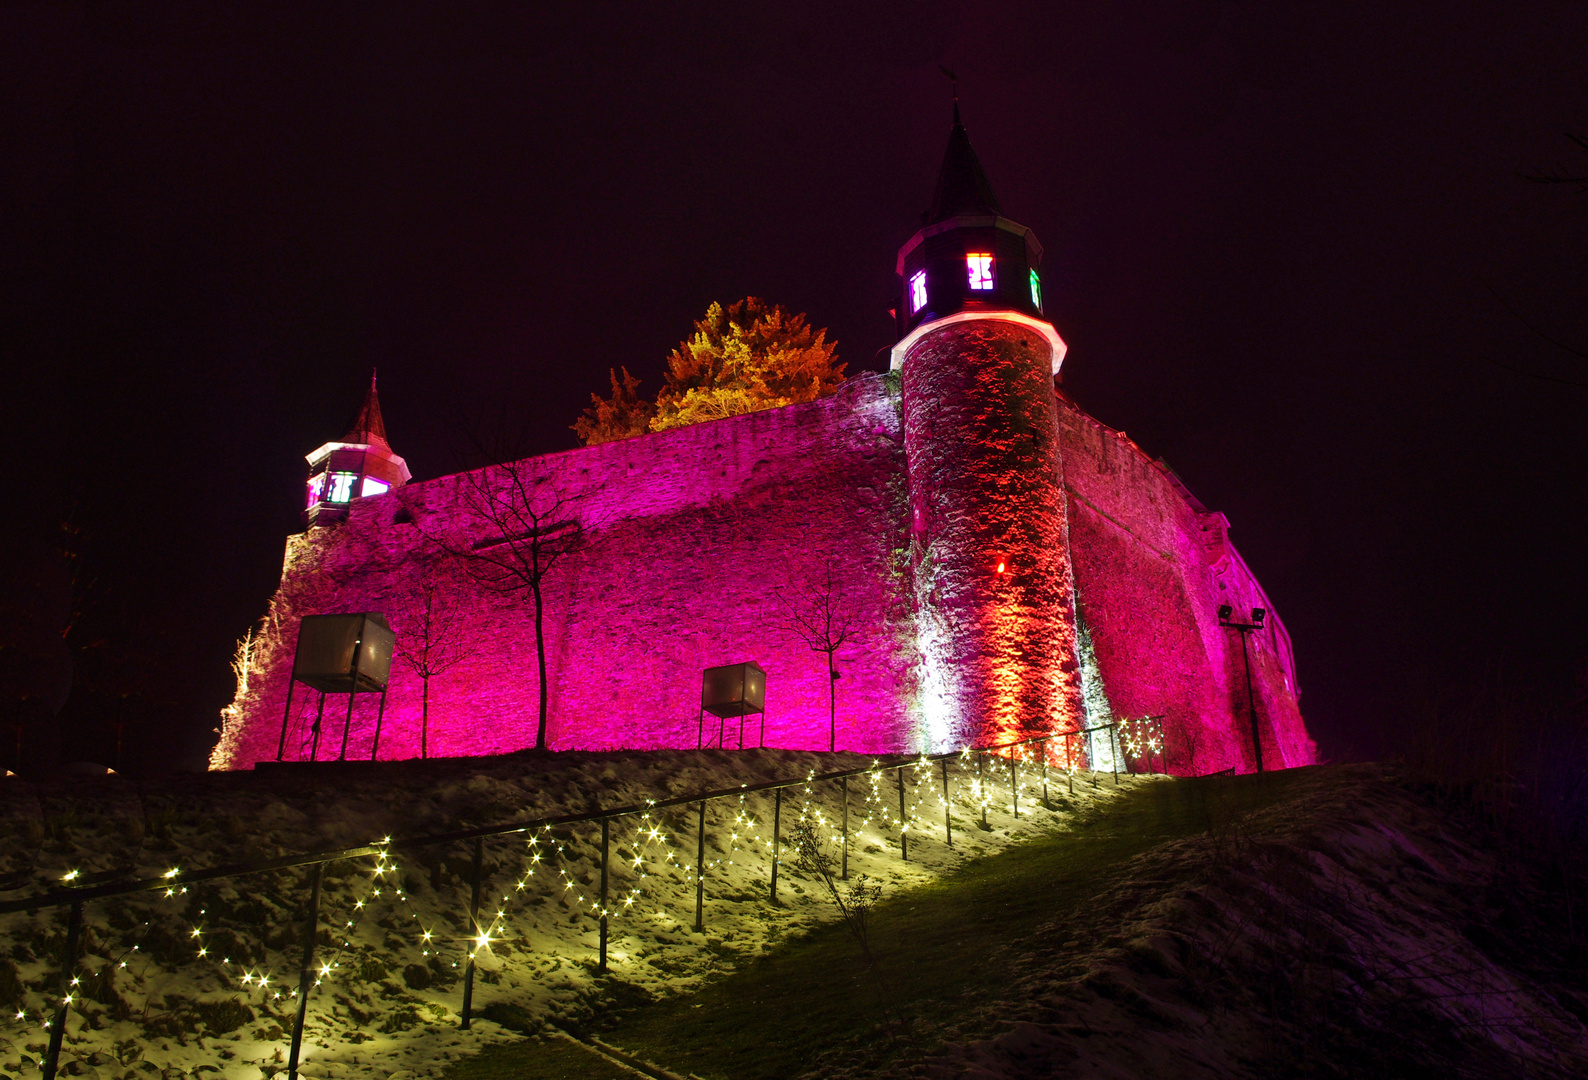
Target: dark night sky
[1281,241]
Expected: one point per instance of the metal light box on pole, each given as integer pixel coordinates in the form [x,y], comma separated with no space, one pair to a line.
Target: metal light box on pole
[733,690]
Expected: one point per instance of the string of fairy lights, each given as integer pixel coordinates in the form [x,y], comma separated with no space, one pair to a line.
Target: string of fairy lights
[897,799]
[1142,737]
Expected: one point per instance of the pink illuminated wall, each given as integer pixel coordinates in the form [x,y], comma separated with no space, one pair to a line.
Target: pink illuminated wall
[1152,567]
[693,532]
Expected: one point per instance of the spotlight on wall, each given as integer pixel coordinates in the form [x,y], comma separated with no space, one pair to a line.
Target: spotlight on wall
[1258,614]
[1225,610]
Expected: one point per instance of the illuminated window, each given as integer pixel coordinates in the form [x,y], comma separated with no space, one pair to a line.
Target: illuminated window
[373,486]
[316,485]
[342,486]
[1036,291]
[917,291]
[980,266]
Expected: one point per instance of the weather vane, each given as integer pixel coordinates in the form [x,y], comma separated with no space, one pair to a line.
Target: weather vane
[953,79]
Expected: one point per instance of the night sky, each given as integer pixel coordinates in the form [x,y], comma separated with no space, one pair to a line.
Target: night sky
[1293,247]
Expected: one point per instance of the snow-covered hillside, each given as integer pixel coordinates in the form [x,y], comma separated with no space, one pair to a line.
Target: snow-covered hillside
[201,981]
[1360,928]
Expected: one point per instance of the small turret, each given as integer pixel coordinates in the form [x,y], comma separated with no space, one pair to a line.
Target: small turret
[968,261]
[359,466]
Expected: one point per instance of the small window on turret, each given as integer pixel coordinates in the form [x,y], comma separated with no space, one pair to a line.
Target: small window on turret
[342,486]
[1036,291]
[917,291]
[316,486]
[373,486]
[980,267]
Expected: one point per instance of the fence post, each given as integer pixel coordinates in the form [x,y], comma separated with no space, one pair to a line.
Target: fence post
[474,922]
[311,930]
[700,870]
[981,784]
[846,828]
[74,929]
[605,822]
[904,824]
[1113,737]
[948,822]
[1069,760]
[777,837]
[1014,780]
[1046,802]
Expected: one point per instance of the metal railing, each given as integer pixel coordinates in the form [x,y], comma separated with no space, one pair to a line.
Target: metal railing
[75,898]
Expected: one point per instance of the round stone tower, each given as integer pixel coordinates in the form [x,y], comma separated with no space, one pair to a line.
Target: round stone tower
[994,592]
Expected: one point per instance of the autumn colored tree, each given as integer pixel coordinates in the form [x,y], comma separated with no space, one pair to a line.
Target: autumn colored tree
[621,416]
[743,358]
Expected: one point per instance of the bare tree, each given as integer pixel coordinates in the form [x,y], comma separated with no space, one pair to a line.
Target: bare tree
[433,643]
[532,524]
[818,615]
[814,857]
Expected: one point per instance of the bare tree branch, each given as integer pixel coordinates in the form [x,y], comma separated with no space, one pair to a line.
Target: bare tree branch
[815,611]
[432,640]
[532,524]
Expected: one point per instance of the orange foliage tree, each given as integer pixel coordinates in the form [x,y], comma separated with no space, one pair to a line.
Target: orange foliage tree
[743,358]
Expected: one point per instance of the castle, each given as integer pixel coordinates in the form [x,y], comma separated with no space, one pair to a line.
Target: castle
[1004,565]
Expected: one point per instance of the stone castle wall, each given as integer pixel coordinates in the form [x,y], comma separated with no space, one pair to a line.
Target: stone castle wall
[700,539]
[1152,567]
[700,542]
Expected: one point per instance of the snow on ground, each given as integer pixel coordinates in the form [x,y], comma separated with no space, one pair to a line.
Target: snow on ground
[200,980]
[1358,930]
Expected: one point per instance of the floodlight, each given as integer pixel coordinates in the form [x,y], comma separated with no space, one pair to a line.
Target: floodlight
[1258,613]
[1224,612]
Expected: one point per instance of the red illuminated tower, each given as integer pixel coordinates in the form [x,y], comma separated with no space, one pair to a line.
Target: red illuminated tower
[995,596]
[359,466]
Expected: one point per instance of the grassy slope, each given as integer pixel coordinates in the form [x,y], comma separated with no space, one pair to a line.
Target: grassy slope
[813,997]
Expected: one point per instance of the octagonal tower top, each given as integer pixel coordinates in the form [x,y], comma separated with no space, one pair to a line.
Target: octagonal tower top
[968,261]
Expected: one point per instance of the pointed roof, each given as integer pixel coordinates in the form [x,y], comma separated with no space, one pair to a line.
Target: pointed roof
[368,427]
[962,187]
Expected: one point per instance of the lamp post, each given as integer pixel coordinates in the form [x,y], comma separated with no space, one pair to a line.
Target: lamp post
[1258,614]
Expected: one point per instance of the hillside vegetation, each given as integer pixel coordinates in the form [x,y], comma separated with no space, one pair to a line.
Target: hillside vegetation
[1323,922]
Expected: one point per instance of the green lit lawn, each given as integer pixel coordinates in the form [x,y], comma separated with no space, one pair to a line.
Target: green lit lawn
[552,1060]
[769,1020]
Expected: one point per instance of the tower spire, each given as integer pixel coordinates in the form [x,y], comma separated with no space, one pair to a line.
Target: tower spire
[962,186]
[368,426]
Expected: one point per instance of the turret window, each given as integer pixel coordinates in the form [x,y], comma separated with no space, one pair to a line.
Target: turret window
[316,486]
[342,486]
[917,291]
[373,486]
[979,265]
[1036,291]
